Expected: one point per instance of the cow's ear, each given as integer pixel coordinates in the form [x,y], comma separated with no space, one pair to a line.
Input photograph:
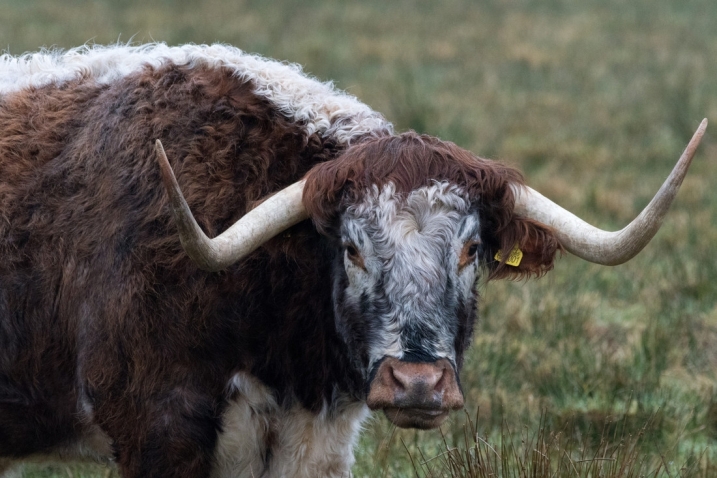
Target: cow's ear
[323,196]
[523,248]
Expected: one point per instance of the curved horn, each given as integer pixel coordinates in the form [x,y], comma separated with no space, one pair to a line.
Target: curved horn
[276,214]
[596,245]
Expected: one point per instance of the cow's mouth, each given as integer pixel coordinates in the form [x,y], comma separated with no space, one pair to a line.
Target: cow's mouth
[416,417]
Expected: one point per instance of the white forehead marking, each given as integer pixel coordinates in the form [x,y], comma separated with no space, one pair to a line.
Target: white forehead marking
[413,242]
[319,106]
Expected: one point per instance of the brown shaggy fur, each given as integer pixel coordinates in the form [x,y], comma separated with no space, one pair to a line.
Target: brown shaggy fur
[411,161]
[97,297]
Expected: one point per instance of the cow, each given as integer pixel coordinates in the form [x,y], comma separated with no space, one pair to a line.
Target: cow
[340,277]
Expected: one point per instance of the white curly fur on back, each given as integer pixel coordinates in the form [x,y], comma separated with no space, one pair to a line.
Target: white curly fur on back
[319,106]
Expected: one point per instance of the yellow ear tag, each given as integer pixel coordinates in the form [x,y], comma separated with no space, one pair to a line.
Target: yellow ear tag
[516,255]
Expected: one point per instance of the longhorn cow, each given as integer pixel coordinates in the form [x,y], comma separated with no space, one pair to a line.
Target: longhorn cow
[340,277]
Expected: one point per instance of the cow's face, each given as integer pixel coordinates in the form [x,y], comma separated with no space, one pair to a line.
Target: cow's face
[413,215]
[404,293]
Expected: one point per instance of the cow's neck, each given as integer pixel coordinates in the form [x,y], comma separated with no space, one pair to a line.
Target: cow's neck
[288,341]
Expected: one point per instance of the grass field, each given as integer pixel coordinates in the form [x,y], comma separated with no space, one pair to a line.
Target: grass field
[589,371]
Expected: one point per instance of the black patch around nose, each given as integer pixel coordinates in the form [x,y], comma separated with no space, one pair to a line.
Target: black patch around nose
[417,355]
[416,345]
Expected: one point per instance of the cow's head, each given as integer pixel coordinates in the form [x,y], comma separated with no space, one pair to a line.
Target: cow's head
[415,221]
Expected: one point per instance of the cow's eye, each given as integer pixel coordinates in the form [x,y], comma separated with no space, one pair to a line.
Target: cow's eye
[354,256]
[351,251]
[469,253]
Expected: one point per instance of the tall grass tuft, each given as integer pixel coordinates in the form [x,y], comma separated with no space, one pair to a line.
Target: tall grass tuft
[546,452]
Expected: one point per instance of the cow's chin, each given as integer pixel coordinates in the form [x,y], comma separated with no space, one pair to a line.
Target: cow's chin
[423,419]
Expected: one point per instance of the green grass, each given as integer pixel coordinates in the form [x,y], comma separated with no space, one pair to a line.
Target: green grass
[594,101]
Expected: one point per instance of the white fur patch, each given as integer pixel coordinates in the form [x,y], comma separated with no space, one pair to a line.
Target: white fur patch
[319,106]
[261,439]
[411,245]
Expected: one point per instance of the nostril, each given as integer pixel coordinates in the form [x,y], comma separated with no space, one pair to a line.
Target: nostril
[401,380]
[436,379]
[441,382]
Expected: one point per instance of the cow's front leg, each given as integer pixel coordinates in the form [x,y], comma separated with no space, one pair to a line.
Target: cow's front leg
[173,435]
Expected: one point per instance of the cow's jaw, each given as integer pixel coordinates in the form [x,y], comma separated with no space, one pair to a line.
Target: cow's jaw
[405,297]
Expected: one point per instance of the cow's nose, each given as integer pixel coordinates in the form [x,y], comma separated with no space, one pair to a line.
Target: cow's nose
[415,394]
[417,379]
